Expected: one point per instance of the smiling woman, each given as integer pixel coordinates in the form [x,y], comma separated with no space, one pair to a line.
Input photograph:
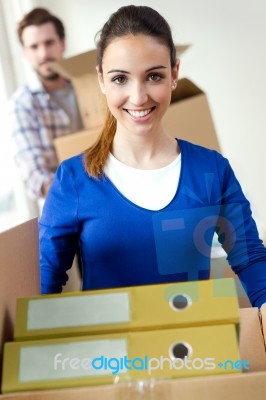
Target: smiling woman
[142,206]
[137,85]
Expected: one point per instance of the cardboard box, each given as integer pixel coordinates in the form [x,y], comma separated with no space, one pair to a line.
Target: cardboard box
[146,307]
[251,385]
[19,274]
[233,387]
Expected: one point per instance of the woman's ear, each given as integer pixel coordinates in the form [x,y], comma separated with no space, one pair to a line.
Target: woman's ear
[175,70]
[100,79]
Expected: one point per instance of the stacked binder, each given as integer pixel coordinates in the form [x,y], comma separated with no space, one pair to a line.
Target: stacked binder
[157,331]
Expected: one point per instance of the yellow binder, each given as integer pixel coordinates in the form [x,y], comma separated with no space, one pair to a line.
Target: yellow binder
[197,303]
[100,359]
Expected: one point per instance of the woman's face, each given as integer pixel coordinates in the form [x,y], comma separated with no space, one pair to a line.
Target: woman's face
[137,80]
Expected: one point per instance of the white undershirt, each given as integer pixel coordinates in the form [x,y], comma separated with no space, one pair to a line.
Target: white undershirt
[152,189]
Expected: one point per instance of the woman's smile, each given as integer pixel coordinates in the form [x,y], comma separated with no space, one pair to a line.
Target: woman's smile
[140,115]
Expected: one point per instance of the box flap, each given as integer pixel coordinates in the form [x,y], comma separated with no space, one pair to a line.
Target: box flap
[77,66]
[189,116]
[81,70]
[184,90]
[263,322]
[251,344]
[181,49]
[71,145]
[19,273]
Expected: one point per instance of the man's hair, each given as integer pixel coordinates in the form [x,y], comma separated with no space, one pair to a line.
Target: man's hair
[37,17]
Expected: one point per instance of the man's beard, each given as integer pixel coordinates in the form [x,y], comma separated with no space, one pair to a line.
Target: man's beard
[53,76]
[49,76]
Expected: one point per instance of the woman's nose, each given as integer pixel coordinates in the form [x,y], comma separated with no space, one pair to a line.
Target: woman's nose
[138,94]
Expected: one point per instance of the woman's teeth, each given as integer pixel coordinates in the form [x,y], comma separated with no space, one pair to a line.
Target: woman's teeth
[139,114]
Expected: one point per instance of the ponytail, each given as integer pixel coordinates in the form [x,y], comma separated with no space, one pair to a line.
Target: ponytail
[96,155]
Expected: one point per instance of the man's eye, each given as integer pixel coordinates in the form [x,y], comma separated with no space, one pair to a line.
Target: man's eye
[120,80]
[49,42]
[155,77]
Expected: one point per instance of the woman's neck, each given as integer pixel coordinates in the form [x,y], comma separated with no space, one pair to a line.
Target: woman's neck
[145,152]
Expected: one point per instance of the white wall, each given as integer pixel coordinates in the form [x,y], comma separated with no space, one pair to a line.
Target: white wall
[227,60]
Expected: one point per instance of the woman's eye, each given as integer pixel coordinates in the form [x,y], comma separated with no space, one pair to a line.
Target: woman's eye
[155,77]
[120,80]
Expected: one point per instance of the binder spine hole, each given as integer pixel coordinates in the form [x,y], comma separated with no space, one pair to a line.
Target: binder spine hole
[180,302]
[180,350]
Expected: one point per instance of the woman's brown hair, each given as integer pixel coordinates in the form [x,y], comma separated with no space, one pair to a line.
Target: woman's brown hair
[128,20]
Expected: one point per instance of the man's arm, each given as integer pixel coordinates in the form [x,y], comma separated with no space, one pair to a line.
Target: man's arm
[35,158]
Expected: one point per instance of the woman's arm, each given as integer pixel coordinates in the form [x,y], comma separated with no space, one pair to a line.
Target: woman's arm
[58,231]
[238,234]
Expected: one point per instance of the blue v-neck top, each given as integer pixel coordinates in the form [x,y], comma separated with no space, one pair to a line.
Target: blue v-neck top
[123,244]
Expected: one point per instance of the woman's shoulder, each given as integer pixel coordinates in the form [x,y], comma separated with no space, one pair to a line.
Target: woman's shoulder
[74,164]
[202,159]
[193,147]
[73,161]
[199,152]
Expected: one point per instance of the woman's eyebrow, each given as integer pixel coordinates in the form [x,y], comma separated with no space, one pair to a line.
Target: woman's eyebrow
[155,67]
[118,70]
[122,71]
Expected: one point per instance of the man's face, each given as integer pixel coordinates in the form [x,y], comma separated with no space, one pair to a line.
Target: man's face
[42,45]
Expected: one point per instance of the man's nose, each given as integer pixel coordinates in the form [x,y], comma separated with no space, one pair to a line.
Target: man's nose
[43,53]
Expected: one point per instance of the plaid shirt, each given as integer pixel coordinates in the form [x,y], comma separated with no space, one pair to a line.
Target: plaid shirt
[35,121]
